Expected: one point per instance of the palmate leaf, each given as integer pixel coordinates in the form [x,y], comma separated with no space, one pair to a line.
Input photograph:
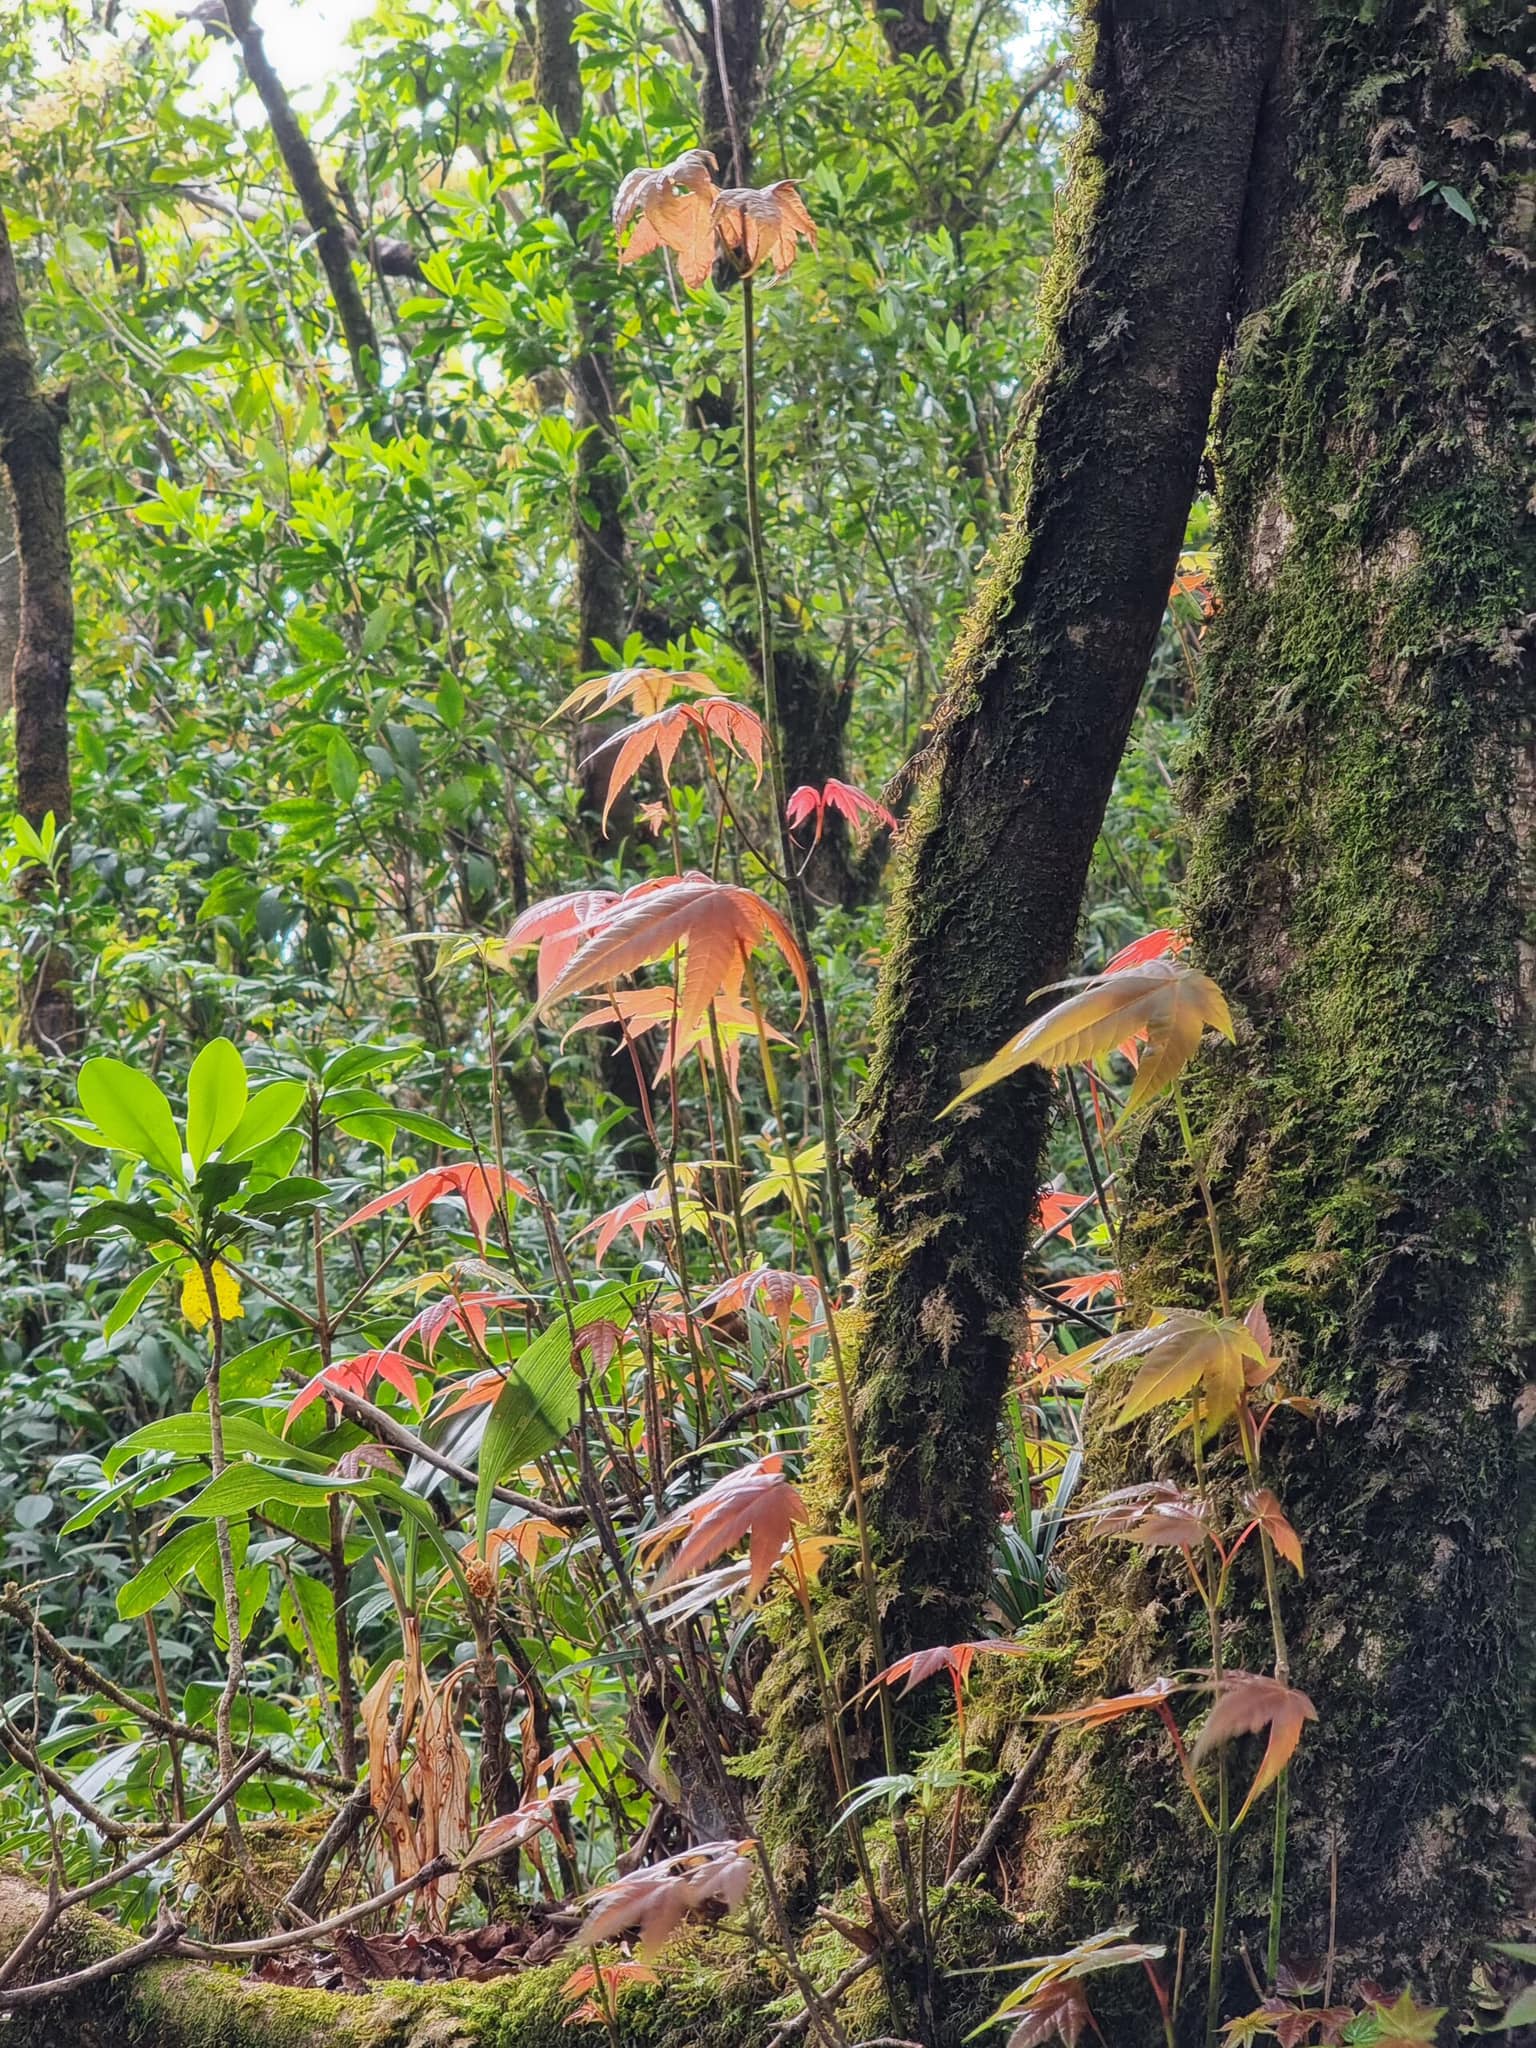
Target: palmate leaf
[756,1502]
[648,689]
[673,205]
[1160,1000]
[737,726]
[1182,1350]
[763,224]
[717,924]
[1247,1702]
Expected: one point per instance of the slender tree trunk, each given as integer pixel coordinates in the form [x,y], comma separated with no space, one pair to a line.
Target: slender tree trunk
[1362,797]
[1013,787]
[332,242]
[597,517]
[31,455]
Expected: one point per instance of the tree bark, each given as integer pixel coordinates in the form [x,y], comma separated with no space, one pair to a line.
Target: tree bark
[1013,787]
[597,517]
[332,242]
[1362,799]
[32,457]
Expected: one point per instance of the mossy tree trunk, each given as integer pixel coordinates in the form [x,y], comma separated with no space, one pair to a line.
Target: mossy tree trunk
[1362,800]
[1014,784]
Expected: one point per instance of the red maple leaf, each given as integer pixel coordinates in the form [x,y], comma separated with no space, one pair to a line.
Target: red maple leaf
[352,1376]
[480,1188]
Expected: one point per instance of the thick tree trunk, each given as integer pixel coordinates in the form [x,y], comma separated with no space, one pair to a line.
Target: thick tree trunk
[1040,698]
[32,458]
[1363,803]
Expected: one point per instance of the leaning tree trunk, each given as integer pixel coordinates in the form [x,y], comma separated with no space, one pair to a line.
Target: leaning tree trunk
[1362,797]
[1041,695]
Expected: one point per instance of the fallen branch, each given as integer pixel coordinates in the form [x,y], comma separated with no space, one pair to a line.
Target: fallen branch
[59,1903]
[160,1943]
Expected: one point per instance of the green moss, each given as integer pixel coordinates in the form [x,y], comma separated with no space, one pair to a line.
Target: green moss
[1361,885]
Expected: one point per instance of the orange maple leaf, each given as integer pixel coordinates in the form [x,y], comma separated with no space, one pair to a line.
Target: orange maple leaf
[480,1188]
[663,732]
[716,923]
[763,224]
[757,1502]
[656,1900]
[862,812]
[1246,1702]
[352,1376]
[648,689]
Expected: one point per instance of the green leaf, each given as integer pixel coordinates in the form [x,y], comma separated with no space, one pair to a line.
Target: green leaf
[541,1401]
[216,1098]
[314,641]
[1521,2011]
[126,1306]
[166,1569]
[189,1436]
[428,1127]
[131,1114]
[138,1219]
[342,767]
[1458,203]
[308,1597]
[270,1110]
[286,1197]
[241,1488]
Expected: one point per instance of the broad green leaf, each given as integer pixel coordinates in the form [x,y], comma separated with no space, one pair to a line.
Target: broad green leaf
[216,1098]
[190,1436]
[144,1493]
[131,1114]
[166,1569]
[430,1128]
[270,1110]
[306,1597]
[242,1488]
[342,768]
[540,1401]
[285,1197]
[138,1219]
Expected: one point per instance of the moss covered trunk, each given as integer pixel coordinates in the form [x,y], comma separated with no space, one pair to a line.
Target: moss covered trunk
[1014,784]
[1361,793]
